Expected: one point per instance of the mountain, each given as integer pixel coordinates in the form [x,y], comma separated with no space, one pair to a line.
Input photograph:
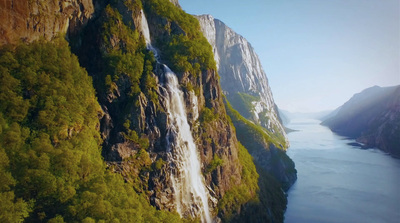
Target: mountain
[243,79]
[246,88]
[113,111]
[372,117]
[321,115]
[329,114]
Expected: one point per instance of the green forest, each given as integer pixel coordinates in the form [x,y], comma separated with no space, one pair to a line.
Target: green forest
[51,164]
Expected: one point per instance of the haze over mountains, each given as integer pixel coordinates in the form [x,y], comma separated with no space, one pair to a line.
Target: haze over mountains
[316,54]
[372,117]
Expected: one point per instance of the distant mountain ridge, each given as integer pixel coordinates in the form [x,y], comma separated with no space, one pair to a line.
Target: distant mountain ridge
[321,115]
[372,117]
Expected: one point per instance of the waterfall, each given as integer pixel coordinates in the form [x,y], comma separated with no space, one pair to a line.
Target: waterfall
[190,193]
[146,35]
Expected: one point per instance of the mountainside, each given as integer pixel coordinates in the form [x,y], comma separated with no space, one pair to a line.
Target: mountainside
[125,122]
[245,86]
[372,117]
[31,20]
[243,79]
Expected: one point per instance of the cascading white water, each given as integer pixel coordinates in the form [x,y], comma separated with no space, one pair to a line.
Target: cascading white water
[191,195]
[146,34]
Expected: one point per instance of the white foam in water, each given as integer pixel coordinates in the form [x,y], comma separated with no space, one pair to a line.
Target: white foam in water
[190,194]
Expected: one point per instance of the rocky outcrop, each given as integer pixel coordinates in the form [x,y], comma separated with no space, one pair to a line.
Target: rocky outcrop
[242,74]
[30,20]
[372,117]
[175,2]
[245,85]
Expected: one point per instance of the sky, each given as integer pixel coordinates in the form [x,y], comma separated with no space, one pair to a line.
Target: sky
[316,53]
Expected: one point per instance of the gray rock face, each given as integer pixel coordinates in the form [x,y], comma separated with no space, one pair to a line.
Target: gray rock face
[241,72]
[245,85]
[175,2]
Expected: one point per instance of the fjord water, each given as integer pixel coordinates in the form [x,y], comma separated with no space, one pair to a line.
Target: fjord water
[190,193]
[338,182]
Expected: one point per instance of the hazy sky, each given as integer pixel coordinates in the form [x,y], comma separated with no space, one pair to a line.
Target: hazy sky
[316,53]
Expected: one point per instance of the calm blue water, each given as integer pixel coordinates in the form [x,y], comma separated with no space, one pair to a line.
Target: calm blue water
[338,182]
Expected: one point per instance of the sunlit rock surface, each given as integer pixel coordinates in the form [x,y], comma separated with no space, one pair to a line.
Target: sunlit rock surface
[30,20]
[241,72]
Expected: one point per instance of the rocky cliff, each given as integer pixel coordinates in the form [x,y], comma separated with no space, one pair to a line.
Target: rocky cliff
[245,85]
[243,79]
[30,20]
[133,129]
[372,117]
[145,109]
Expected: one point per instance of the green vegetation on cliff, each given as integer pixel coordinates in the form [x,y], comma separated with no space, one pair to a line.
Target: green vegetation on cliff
[185,49]
[244,103]
[251,133]
[124,71]
[240,194]
[269,203]
[51,164]
[50,160]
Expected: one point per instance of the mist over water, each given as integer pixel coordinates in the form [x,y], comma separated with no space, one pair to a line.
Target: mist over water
[338,182]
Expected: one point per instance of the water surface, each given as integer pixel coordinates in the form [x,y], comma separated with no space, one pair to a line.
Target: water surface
[338,182]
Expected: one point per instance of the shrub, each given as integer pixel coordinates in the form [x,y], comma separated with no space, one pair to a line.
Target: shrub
[215,162]
[208,115]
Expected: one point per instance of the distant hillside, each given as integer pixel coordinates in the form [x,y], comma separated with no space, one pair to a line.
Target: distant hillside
[286,116]
[330,114]
[372,117]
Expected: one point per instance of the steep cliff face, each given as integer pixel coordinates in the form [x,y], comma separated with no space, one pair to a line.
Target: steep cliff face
[138,133]
[31,20]
[145,109]
[372,117]
[243,79]
[246,87]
